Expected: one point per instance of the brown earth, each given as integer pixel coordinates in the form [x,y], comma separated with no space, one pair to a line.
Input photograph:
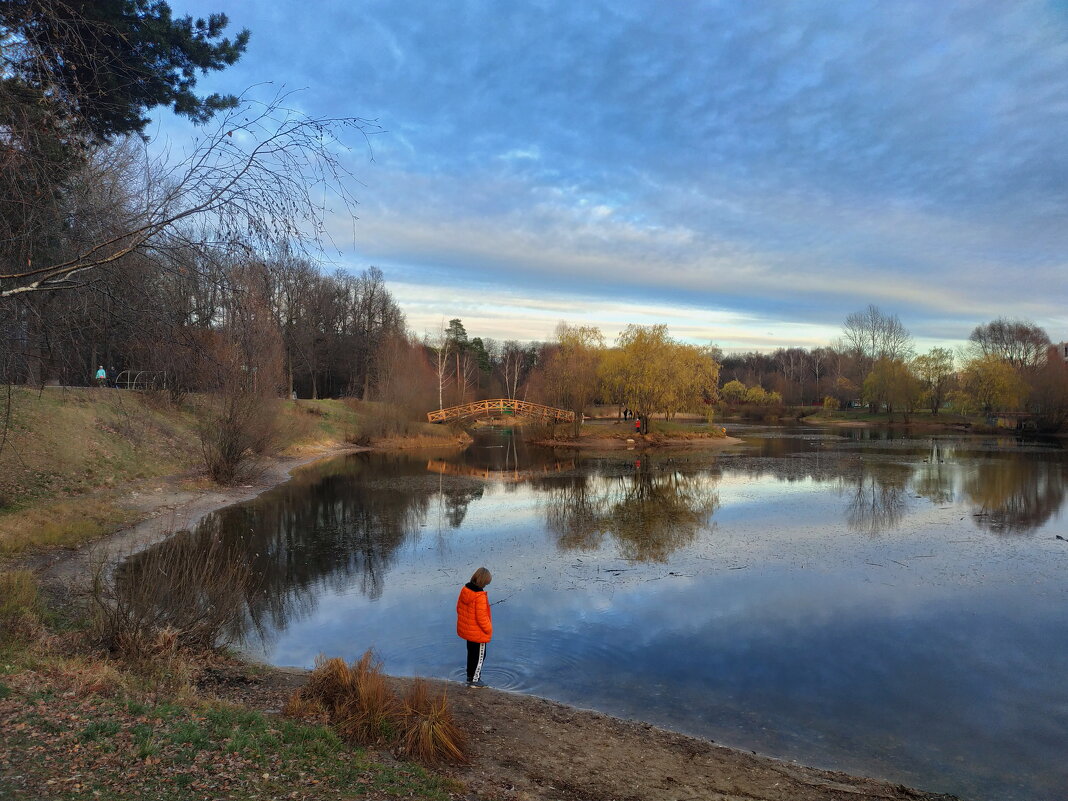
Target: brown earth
[525,748]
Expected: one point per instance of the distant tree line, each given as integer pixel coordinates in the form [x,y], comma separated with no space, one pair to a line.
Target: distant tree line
[1008,366]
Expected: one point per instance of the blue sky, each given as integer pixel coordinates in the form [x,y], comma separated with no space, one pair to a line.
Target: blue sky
[747,172]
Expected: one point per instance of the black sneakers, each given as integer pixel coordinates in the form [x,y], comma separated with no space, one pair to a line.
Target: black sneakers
[478,685]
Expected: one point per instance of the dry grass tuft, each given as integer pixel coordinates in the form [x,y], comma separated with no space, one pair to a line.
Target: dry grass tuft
[19,605]
[356,698]
[84,677]
[330,683]
[369,715]
[430,734]
[299,707]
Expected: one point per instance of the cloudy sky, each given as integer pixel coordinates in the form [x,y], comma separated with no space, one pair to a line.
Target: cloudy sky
[747,172]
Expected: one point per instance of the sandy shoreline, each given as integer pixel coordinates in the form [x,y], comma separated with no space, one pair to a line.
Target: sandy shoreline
[523,747]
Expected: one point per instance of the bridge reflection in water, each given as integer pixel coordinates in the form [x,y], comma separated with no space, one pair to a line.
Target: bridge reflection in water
[513,474]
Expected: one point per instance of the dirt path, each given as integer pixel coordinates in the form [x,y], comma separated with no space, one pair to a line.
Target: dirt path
[530,749]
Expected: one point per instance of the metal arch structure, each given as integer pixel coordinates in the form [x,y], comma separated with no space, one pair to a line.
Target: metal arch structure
[514,406]
[141,380]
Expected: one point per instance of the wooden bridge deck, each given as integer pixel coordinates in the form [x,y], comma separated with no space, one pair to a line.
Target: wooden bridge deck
[500,406]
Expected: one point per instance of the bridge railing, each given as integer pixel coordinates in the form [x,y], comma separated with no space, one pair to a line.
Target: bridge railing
[501,406]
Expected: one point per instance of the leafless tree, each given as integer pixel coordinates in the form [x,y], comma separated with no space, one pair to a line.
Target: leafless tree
[873,335]
[1019,342]
[258,177]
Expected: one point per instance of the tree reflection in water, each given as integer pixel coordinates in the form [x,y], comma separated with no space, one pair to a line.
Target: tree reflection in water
[340,526]
[650,512]
[326,527]
[1016,493]
[878,498]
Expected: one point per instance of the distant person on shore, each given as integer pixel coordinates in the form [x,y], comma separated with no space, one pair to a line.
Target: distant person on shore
[474,623]
[101,376]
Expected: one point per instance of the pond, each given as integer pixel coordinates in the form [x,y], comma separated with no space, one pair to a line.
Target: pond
[881,604]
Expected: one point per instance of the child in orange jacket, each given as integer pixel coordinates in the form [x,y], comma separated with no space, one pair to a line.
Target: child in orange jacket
[474,623]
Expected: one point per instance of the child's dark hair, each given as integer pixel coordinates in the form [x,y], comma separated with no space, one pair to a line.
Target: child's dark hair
[481,578]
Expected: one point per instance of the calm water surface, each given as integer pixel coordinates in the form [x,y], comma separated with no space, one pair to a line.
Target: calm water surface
[885,606]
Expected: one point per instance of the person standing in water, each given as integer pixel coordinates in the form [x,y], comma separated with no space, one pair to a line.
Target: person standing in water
[474,623]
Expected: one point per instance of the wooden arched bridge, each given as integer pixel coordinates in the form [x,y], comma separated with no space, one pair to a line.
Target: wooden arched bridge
[500,406]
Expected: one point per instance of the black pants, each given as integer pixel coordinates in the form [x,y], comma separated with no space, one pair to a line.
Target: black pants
[476,655]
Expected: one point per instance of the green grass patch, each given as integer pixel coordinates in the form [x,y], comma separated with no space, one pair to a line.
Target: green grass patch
[123,749]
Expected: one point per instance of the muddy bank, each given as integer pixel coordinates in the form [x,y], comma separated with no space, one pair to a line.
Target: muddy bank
[525,748]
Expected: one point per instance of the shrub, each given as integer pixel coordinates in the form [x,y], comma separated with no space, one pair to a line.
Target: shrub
[830,403]
[177,595]
[234,437]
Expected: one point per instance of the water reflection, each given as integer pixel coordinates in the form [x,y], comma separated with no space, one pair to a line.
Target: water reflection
[330,529]
[1015,495]
[877,499]
[650,511]
[1011,486]
[845,577]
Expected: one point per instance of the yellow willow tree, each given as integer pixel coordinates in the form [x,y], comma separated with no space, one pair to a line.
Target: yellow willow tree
[613,380]
[695,380]
[571,379]
[992,384]
[659,375]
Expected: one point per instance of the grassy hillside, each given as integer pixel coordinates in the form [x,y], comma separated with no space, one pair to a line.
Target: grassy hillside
[70,455]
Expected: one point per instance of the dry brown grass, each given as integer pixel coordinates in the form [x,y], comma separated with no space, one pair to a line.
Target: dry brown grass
[430,735]
[63,524]
[331,681]
[84,677]
[299,707]
[356,698]
[369,715]
[364,710]
[19,605]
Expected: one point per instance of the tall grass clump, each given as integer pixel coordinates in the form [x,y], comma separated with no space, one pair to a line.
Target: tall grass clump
[368,715]
[430,734]
[363,709]
[19,605]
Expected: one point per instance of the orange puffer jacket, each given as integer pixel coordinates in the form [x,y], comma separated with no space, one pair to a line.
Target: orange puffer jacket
[473,620]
